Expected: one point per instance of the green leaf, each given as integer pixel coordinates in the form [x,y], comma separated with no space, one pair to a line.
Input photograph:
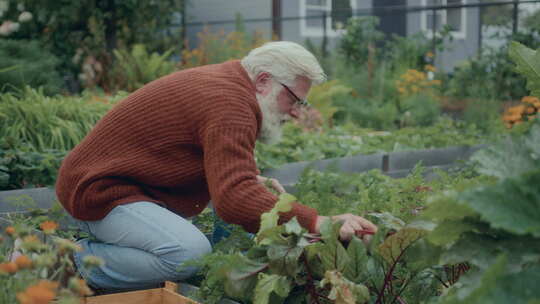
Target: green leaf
[447,207]
[388,220]
[293,227]
[448,232]
[334,256]
[508,158]
[512,205]
[394,247]
[268,284]
[283,260]
[499,287]
[241,277]
[358,256]
[421,255]
[528,64]
[270,219]
[344,291]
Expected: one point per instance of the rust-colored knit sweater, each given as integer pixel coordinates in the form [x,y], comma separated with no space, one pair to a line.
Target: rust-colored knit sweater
[178,141]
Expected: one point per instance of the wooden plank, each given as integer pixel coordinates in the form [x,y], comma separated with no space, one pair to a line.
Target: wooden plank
[148,296]
[171,286]
[171,297]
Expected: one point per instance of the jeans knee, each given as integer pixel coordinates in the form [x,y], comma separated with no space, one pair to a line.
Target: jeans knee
[179,253]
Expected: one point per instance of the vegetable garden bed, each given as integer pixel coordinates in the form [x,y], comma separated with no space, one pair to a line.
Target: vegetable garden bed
[165,295]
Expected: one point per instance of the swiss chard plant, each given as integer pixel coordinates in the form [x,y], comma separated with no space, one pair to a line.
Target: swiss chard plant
[493,228]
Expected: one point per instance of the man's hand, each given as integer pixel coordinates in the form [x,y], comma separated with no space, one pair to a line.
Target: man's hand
[272,182]
[352,225]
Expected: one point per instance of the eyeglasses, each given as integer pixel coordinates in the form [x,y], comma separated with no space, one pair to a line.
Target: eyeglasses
[298,101]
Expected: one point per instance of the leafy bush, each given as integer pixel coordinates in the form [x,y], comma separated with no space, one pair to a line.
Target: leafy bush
[323,98]
[360,40]
[493,228]
[79,32]
[43,123]
[349,140]
[133,69]
[420,110]
[217,47]
[484,114]
[23,168]
[25,62]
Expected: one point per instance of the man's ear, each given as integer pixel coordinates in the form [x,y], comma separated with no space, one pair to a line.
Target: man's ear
[263,83]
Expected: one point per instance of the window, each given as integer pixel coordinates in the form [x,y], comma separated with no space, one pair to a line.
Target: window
[455,18]
[337,13]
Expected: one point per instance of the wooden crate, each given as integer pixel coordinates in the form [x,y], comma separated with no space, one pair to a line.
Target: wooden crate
[165,295]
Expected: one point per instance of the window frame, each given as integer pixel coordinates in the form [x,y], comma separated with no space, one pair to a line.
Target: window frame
[461,34]
[307,31]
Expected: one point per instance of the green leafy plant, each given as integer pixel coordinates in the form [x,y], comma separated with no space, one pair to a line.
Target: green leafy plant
[528,64]
[42,271]
[133,69]
[494,227]
[24,62]
[43,123]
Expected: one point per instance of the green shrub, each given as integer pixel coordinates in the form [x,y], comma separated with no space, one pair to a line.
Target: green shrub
[419,110]
[21,167]
[361,36]
[44,123]
[484,114]
[133,69]
[25,62]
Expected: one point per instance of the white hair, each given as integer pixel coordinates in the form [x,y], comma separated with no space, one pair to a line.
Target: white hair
[285,60]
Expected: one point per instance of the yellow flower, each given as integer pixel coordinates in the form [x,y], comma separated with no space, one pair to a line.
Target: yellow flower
[41,293]
[48,227]
[430,54]
[429,67]
[8,267]
[23,262]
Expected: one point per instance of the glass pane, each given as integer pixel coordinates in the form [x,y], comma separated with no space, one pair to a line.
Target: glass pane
[453,19]
[341,12]
[316,20]
[429,22]
[433,2]
[449,2]
[316,2]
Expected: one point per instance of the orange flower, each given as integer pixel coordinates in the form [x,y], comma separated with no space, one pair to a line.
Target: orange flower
[48,227]
[41,293]
[10,230]
[429,54]
[429,67]
[9,267]
[530,99]
[530,110]
[23,262]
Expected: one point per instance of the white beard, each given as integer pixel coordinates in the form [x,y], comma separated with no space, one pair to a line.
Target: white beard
[273,120]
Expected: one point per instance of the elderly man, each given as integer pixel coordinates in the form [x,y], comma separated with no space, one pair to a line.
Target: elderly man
[160,155]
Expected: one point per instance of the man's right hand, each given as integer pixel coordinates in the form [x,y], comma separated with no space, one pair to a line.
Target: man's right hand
[352,224]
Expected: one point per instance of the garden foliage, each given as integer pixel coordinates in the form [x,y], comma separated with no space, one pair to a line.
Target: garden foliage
[26,63]
[493,227]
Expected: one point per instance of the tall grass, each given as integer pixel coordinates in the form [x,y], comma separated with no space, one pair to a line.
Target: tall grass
[42,123]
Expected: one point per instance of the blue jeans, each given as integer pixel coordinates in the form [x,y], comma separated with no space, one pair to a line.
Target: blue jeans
[142,244]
